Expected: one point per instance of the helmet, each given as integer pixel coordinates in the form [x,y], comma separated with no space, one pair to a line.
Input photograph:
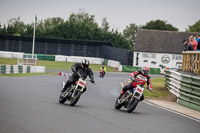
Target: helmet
[85,64]
[145,70]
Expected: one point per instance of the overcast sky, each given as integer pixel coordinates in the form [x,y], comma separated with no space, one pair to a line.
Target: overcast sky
[119,13]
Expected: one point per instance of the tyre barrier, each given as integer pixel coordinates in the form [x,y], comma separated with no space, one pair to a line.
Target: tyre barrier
[185,87]
[172,82]
[11,69]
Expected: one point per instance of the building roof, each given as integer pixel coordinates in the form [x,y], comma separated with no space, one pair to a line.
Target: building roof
[161,41]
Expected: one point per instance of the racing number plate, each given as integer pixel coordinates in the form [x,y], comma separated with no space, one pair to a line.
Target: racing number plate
[80,82]
[140,89]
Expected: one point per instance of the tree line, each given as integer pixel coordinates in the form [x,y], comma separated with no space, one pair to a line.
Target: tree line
[82,26]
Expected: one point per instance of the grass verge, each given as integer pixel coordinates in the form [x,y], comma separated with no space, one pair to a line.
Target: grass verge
[159,91]
[25,74]
[54,64]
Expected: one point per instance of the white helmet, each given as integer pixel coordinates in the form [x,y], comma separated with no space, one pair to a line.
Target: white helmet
[145,70]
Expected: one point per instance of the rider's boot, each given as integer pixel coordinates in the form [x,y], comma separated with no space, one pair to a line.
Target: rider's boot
[122,93]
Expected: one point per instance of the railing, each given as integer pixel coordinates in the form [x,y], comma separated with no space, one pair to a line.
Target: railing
[185,87]
[191,62]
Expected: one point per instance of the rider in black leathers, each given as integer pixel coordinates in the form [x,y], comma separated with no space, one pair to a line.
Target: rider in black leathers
[81,68]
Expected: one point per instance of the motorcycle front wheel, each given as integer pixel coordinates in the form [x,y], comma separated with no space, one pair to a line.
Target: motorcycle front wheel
[117,104]
[62,99]
[75,99]
[132,105]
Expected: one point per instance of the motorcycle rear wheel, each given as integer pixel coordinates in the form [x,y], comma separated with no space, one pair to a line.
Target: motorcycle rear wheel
[132,105]
[75,99]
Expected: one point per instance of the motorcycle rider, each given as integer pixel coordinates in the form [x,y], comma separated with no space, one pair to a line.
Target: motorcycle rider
[81,68]
[142,77]
[104,70]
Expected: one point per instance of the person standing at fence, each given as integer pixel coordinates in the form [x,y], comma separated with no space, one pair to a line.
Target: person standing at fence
[198,42]
[188,46]
[193,42]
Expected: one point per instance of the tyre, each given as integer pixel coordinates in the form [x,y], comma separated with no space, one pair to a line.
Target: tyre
[62,99]
[132,105]
[117,104]
[75,99]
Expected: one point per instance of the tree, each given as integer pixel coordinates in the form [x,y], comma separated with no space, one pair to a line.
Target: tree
[2,30]
[130,32]
[80,26]
[16,27]
[159,25]
[194,28]
[105,25]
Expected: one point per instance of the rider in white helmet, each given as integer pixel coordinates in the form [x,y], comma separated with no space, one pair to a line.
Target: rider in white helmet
[142,77]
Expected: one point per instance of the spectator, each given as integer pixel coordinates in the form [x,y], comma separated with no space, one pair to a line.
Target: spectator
[197,38]
[193,42]
[188,46]
[198,42]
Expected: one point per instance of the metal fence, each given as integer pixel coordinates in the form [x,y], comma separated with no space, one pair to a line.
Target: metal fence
[66,47]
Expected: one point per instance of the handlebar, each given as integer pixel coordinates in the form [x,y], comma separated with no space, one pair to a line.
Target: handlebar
[85,79]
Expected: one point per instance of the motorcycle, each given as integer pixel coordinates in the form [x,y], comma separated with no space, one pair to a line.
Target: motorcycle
[102,73]
[73,93]
[130,99]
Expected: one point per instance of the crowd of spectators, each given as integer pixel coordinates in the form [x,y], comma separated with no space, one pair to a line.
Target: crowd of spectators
[192,43]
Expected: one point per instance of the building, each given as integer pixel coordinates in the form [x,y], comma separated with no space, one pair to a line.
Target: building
[159,49]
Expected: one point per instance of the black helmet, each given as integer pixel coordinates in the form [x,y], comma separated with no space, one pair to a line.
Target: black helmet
[85,64]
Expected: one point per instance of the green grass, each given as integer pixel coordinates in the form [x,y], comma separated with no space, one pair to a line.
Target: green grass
[8,61]
[54,64]
[25,74]
[159,90]
[67,65]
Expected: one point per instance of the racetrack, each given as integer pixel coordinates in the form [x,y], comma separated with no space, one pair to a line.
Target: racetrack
[30,105]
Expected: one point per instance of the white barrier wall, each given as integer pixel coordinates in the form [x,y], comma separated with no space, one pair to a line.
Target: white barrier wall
[157,60]
[113,63]
[37,69]
[8,69]
[92,60]
[60,58]
[78,59]
[63,58]
[6,54]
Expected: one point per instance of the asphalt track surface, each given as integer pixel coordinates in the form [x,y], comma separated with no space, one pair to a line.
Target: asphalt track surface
[30,105]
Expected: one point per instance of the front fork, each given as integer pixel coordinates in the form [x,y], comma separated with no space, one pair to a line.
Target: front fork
[133,96]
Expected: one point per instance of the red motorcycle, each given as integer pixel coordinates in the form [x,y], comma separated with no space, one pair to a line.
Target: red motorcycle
[102,73]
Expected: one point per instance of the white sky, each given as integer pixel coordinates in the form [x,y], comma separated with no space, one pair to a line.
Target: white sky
[119,13]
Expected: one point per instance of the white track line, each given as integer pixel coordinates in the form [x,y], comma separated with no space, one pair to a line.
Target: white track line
[195,119]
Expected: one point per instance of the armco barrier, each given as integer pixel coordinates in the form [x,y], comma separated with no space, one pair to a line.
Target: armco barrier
[185,87]
[10,69]
[190,92]
[173,82]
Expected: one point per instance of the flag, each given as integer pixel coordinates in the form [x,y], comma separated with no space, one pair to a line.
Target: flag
[35,20]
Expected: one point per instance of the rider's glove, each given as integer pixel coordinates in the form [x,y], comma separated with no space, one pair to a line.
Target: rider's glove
[92,81]
[150,89]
